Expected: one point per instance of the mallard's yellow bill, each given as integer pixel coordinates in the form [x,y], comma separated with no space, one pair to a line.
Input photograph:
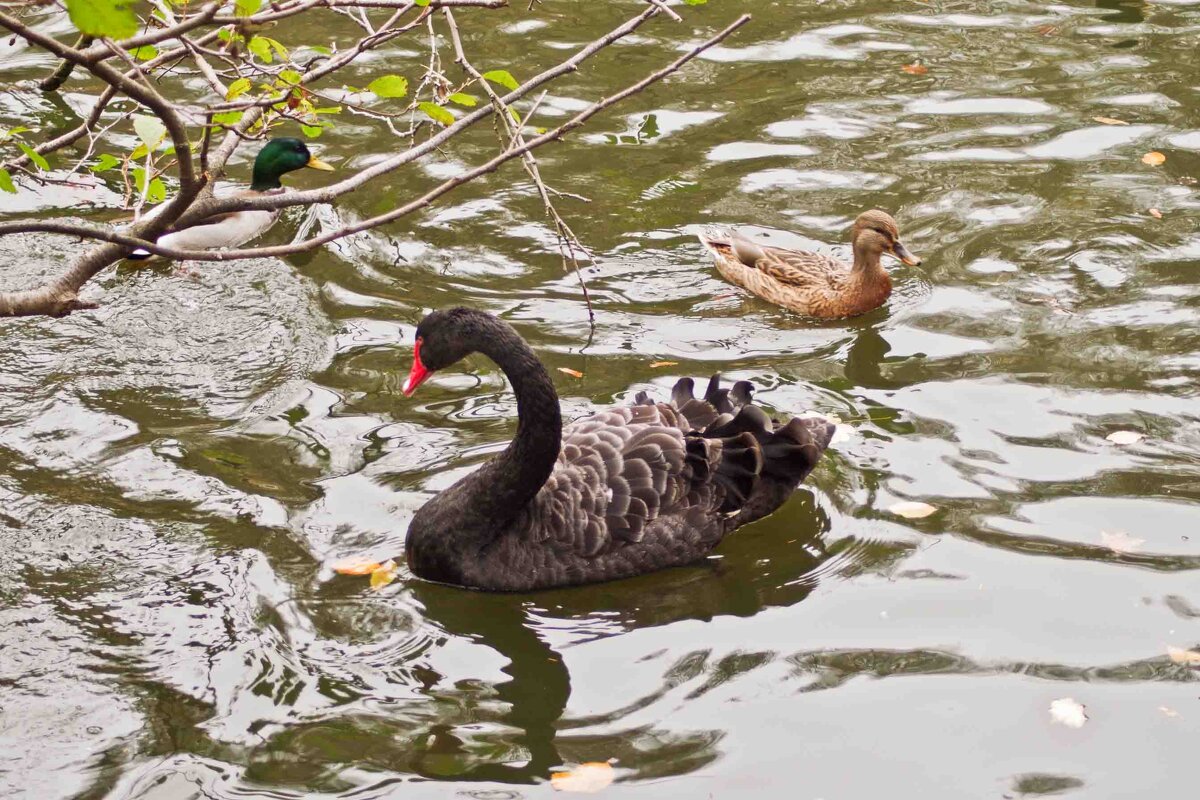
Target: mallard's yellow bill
[317,163]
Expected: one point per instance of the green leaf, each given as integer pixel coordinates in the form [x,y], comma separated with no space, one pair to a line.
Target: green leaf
[389,86]
[463,99]
[290,77]
[516,117]
[6,182]
[4,134]
[112,18]
[237,89]
[145,52]
[328,110]
[319,48]
[105,162]
[261,48]
[34,156]
[695,2]
[156,192]
[312,131]
[227,118]
[279,49]
[150,130]
[437,113]
[247,8]
[421,3]
[502,77]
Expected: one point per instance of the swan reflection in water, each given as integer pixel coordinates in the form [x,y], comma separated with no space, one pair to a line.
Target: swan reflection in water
[513,731]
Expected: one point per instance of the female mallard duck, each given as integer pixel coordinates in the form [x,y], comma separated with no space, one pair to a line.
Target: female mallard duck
[625,491]
[275,159]
[811,283]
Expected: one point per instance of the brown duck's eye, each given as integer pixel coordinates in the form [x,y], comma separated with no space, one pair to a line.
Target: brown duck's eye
[885,233]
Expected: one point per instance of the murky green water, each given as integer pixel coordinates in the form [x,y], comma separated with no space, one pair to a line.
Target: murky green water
[179,468]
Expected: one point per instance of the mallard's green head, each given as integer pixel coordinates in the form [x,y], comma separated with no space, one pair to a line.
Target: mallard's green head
[280,156]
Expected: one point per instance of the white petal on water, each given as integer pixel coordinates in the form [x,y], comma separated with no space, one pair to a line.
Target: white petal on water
[910,509]
[1067,711]
[1120,541]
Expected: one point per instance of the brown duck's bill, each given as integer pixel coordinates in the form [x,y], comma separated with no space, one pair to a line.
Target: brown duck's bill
[316,163]
[906,255]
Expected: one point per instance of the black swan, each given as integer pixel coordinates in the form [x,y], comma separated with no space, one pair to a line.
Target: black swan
[623,492]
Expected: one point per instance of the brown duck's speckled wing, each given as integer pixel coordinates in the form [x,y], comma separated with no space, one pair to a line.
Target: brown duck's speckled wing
[799,268]
[618,470]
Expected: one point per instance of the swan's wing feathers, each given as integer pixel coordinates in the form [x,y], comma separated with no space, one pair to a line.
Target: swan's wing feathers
[618,471]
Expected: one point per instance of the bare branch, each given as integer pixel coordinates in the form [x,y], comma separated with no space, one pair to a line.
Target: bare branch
[663,7]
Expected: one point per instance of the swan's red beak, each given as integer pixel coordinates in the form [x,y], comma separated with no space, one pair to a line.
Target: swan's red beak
[416,375]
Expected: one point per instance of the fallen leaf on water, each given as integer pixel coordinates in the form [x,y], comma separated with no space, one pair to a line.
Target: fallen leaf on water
[910,509]
[1110,121]
[658,364]
[1047,30]
[1125,437]
[1181,656]
[1154,212]
[574,373]
[589,777]
[1066,711]
[1154,158]
[1120,541]
[915,69]
[383,575]
[356,566]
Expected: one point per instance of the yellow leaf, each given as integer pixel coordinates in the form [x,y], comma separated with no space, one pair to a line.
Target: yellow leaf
[1110,121]
[911,510]
[574,373]
[915,69]
[588,778]
[1154,212]
[1154,158]
[356,566]
[1181,656]
[383,575]
[658,364]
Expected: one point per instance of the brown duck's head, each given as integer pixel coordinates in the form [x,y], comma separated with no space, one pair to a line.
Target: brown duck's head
[875,233]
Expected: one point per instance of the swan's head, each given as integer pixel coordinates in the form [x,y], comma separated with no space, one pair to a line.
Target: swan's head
[443,338]
[876,232]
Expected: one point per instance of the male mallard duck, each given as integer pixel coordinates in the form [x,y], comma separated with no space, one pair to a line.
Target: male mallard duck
[277,157]
[811,283]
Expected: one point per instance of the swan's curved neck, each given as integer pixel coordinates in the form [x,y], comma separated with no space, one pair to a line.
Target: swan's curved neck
[510,480]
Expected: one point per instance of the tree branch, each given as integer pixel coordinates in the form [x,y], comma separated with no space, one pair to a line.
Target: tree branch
[50,226]
[194,197]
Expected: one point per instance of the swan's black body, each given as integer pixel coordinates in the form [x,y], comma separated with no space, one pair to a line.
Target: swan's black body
[626,491]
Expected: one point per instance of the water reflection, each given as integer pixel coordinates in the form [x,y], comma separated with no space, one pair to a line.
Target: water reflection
[178,468]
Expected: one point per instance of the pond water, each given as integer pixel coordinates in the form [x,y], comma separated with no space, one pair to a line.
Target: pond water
[180,468]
